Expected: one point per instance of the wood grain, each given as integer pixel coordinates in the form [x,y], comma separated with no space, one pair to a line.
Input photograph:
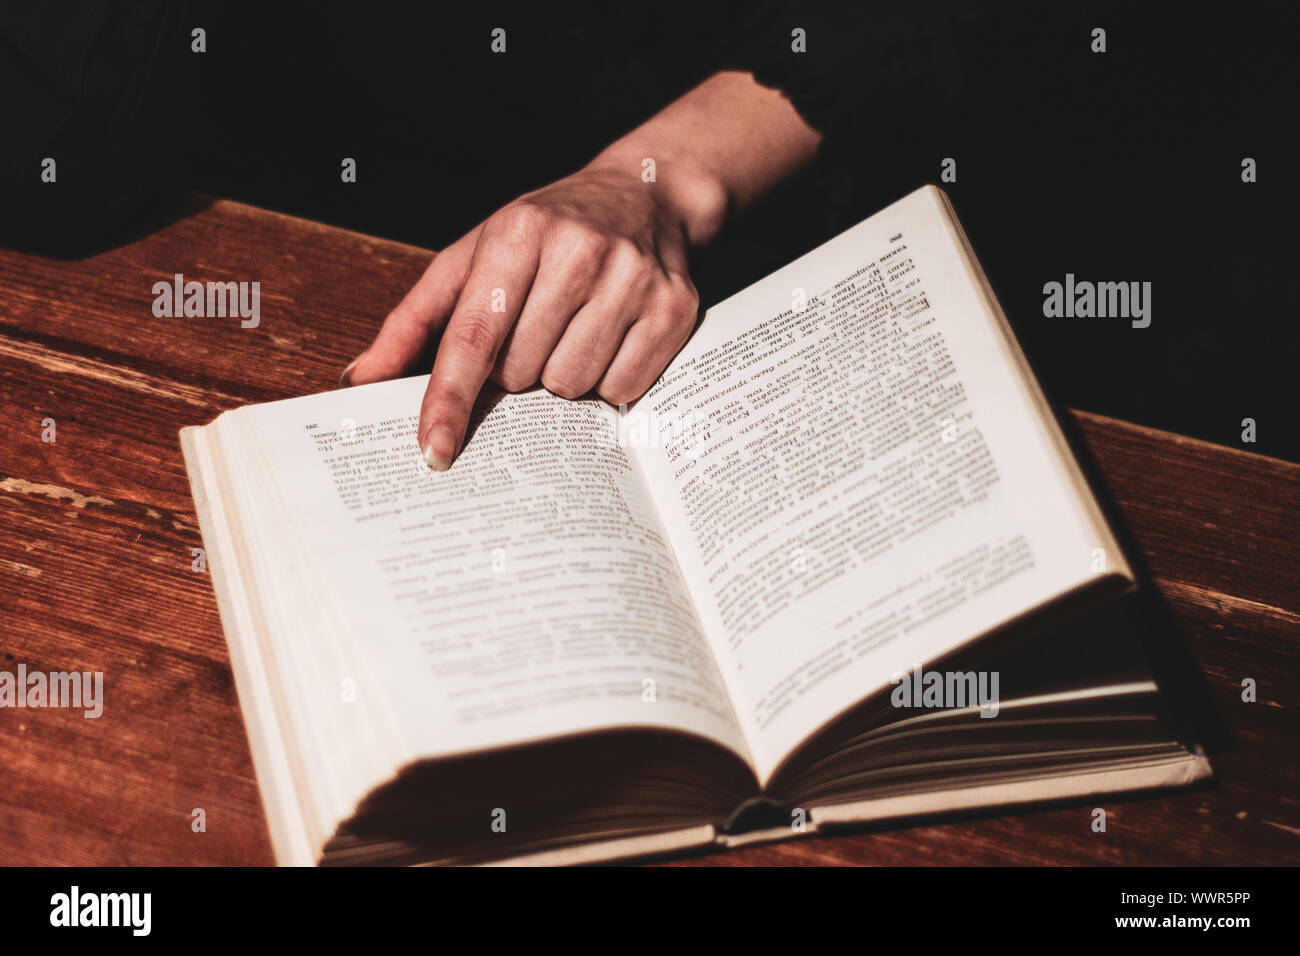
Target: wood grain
[96,532]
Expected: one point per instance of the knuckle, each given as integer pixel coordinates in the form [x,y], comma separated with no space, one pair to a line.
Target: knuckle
[676,309]
[684,298]
[518,223]
[582,242]
[661,328]
[564,381]
[514,377]
[474,334]
[618,392]
[448,402]
[625,257]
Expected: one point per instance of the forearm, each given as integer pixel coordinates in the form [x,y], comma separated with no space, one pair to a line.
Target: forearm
[716,150]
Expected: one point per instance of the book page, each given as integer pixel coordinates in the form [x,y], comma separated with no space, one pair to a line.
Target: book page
[528,592]
[855,475]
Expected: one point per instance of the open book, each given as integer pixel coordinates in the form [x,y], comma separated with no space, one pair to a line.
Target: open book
[838,565]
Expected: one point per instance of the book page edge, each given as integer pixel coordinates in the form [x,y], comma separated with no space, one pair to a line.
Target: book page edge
[1188,771]
[623,848]
[289,842]
[1046,415]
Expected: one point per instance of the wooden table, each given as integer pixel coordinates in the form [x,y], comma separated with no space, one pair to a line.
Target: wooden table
[97,527]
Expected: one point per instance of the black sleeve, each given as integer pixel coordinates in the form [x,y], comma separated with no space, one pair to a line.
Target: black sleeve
[862,62]
[98,88]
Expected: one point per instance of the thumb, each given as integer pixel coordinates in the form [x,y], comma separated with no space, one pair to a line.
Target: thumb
[415,320]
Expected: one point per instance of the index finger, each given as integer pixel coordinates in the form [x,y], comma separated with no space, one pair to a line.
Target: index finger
[500,276]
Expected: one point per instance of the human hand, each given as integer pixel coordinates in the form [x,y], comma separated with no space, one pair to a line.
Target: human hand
[583,284]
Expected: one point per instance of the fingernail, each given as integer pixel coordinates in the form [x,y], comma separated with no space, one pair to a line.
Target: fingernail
[439,448]
[345,379]
[436,462]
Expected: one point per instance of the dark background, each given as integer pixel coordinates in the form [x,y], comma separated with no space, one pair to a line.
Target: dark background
[1122,166]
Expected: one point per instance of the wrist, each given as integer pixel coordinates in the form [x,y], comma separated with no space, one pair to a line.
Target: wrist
[688,192]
